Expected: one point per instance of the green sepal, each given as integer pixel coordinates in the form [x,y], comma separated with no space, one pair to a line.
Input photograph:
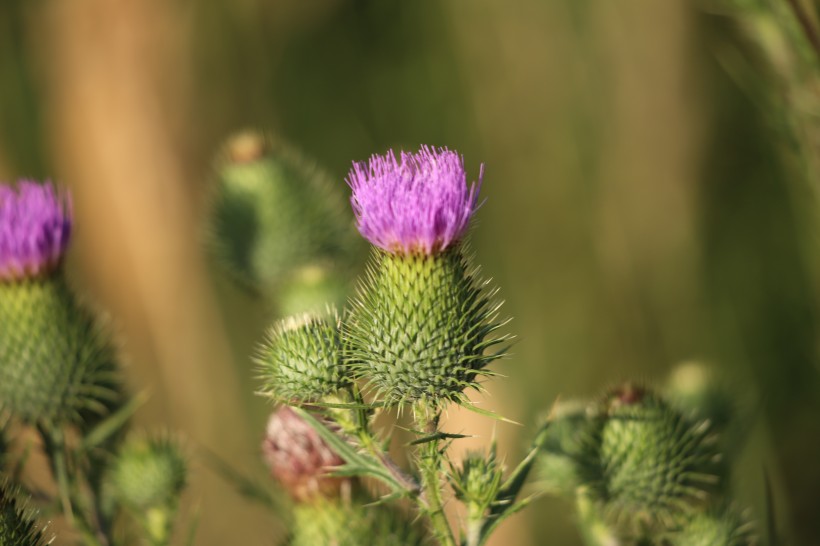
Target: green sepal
[302,360]
[56,362]
[422,328]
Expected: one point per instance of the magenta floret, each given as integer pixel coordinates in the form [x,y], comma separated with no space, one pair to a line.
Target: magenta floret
[35,227]
[418,204]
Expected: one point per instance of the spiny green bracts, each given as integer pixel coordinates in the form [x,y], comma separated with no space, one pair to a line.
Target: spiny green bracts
[649,464]
[343,524]
[56,364]
[17,524]
[727,528]
[273,212]
[420,326]
[478,480]
[149,471]
[311,289]
[302,359]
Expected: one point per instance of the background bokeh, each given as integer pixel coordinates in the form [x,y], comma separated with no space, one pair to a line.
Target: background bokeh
[649,187]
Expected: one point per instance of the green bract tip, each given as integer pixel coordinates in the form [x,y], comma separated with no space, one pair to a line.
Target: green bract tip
[17,524]
[55,363]
[302,359]
[420,326]
[149,472]
[649,465]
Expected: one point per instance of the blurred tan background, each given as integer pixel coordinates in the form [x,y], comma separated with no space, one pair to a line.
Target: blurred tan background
[642,208]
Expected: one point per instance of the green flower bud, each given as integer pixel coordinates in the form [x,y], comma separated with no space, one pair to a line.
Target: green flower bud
[273,211]
[55,363]
[420,327]
[302,359]
[342,524]
[478,482]
[311,289]
[149,472]
[650,465]
[727,528]
[17,523]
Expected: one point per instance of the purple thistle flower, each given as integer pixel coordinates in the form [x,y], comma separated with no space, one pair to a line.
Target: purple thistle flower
[420,204]
[35,227]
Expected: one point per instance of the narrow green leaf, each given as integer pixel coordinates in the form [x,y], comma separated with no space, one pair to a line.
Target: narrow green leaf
[113,422]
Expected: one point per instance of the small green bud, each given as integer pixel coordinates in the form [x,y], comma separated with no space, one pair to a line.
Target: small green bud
[420,327]
[149,472]
[727,528]
[650,464]
[302,359]
[343,524]
[55,363]
[311,289]
[17,523]
[273,211]
[479,480]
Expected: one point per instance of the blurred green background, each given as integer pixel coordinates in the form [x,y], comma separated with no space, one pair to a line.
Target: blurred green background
[650,197]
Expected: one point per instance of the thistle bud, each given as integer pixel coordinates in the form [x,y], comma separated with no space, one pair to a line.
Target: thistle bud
[149,472]
[55,363]
[344,524]
[300,460]
[302,359]
[17,523]
[724,528]
[423,319]
[478,482]
[651,464]
[558,469]
[273,212]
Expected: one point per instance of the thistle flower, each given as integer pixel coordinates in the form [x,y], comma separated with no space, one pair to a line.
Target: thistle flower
[54,363]
[418,204]
[300,460]
[423,318]
[35,227]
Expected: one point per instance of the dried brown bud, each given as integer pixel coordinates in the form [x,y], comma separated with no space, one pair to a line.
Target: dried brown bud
[300,460]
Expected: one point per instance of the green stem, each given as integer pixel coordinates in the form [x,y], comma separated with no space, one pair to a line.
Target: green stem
[430,470]
[475,526]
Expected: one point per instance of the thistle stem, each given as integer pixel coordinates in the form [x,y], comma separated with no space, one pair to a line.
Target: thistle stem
[429,462]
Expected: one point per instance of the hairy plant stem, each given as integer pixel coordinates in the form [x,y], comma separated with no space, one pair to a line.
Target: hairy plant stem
[429,461]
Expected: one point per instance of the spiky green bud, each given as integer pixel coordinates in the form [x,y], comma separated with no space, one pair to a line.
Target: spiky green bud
[273,212]
[311,289]
[344,524]
[302,359]
[650,464]
[17,523]
[149,471]
[724,528]
[478,481]
[420,327]
[55,363]
[558,470]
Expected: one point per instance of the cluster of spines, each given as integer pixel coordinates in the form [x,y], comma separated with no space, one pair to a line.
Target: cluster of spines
[18,526]
[302,359]
[421,326]
[57,362]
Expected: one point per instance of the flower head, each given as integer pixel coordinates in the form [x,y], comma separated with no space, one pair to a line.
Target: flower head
[35,227]
[420,203]
[299,458]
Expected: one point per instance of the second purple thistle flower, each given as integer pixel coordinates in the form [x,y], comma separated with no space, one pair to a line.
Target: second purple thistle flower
[417,204]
